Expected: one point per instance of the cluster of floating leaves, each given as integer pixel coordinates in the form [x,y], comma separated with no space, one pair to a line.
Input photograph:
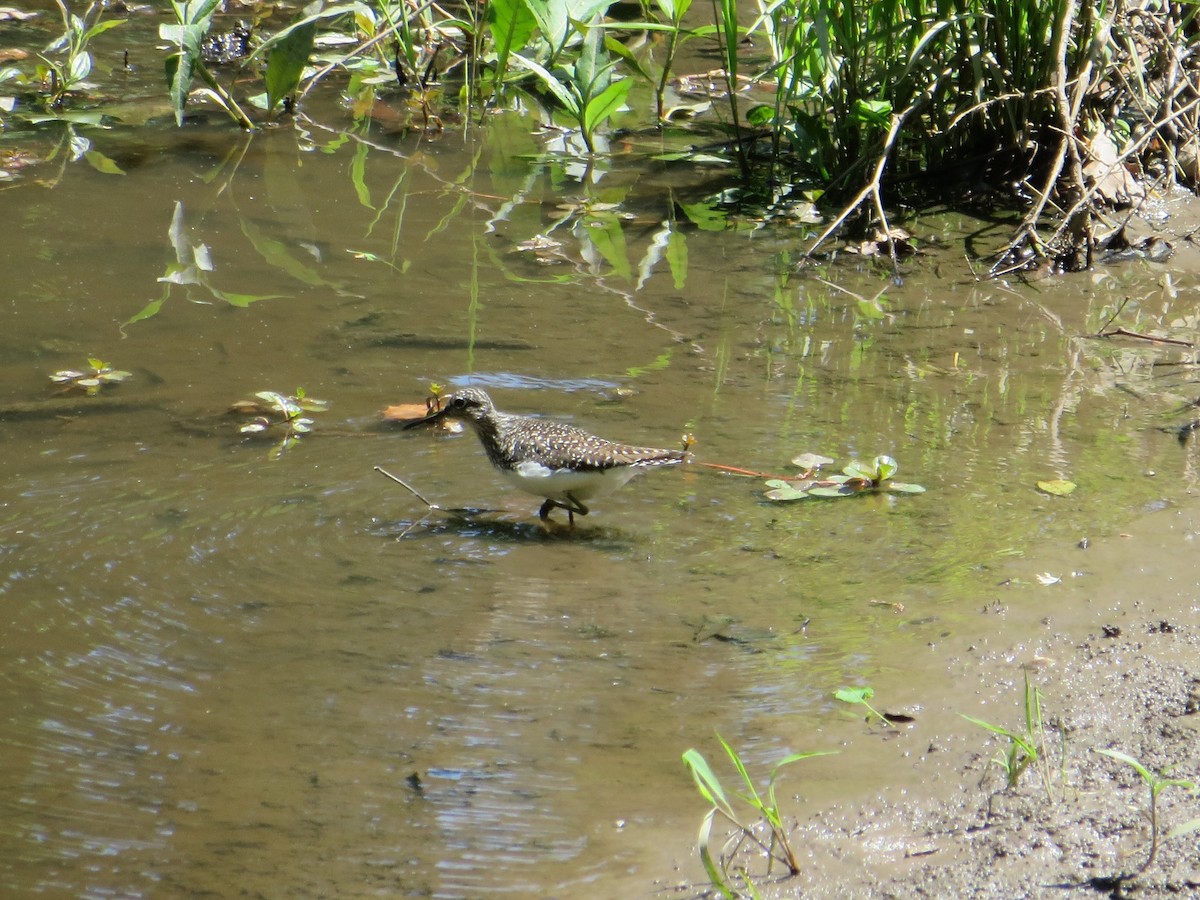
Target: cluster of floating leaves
[90,382]
[856,478]
[280,413]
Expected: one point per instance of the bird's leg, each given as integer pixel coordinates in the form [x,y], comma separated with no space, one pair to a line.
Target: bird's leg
[572,506]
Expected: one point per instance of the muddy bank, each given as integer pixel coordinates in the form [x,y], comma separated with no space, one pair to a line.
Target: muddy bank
[1115,649]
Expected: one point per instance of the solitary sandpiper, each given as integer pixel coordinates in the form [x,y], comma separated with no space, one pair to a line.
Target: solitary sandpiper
[564,464]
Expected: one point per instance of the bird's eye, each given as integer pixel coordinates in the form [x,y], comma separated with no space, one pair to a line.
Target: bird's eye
[459,402]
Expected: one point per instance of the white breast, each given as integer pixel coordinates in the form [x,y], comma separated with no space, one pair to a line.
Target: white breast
[555,484]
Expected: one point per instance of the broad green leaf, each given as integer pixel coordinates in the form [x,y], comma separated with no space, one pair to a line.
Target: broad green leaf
[905,488]
[80,67]
[286,61]
[601,107]
[811,460]
[783,491]
[555,86]
[180,68]
[885,467]
[101,27]
[854,695]
[512,24]
[873,112]
[858,469]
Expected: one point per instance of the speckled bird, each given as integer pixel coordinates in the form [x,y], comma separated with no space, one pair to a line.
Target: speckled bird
[549,459]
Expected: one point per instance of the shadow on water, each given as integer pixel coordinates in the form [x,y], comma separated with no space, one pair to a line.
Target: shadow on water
[491,525]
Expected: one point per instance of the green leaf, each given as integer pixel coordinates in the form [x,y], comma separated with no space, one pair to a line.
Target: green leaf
[885,467]
[1185,828]
[706,782]
[854,695]
[703,840]
[149,310]
[601,107]
[555,86]
[858,469]
[512,24]
[1057,487]
[1146,774]
[760,116]
[286,62]
[783,491]
[180,68]
[903,488]
[80,66]
[873,112]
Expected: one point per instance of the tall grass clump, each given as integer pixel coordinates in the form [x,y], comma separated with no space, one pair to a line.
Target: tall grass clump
[899,99]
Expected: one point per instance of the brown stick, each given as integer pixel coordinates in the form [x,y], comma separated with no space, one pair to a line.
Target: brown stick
[1125,332]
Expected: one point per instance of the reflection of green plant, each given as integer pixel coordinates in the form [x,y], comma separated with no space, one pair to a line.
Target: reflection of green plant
[1157,783]
[78,31]
[90,382]
[293,422]
[776,848]
[191,268]
[1024,748]
[860,696]
[856,478]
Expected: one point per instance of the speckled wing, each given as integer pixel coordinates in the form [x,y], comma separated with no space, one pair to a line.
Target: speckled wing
[562,446]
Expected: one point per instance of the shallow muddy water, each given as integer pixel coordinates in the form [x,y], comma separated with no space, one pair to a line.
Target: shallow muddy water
[223,672]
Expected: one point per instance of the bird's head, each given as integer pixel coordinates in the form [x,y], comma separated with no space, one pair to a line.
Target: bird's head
[469,404]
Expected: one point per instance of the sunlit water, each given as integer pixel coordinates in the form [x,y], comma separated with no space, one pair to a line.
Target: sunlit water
[223,673]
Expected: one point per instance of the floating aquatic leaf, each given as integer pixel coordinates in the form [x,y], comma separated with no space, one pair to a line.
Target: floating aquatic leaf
[1058,487]
[885,467]
[783,490]
[811,460]
[904,488]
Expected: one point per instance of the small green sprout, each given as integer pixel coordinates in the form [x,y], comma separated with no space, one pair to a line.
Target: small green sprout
[1157,783]
[860,696]
[292,422]
[90,382]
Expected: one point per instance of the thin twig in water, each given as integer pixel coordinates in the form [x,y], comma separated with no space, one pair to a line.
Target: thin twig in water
[412,490]
[1125,332]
